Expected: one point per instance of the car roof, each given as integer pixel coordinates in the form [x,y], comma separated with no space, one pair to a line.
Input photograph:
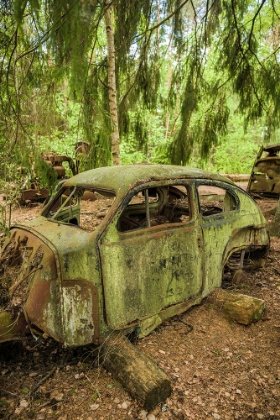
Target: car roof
[123,177]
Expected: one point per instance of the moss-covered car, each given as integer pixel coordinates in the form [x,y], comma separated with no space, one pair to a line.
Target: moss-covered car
[123,248]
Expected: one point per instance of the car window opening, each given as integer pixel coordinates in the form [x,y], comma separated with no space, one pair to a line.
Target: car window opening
[215,200]
[81,207]
[65,200]
[155,206]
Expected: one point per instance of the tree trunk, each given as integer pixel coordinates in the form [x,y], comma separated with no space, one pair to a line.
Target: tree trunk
[238,307]
[168,84]
[138,373]
[274,227]
[115,137]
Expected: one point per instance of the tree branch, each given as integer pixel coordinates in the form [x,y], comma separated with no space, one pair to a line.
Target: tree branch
[165,19]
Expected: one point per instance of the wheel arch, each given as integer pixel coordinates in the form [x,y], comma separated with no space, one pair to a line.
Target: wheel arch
[247,247]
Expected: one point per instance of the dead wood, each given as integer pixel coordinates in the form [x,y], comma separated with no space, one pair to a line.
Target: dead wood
[137,372]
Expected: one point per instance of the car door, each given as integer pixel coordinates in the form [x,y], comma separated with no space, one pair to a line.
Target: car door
[151,254]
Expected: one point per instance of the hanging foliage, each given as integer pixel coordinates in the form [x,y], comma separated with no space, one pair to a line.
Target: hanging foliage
[187,65]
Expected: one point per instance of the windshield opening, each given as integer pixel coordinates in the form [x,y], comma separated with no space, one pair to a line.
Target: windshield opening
[81,207]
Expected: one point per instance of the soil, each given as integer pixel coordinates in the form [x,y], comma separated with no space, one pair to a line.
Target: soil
[219,369]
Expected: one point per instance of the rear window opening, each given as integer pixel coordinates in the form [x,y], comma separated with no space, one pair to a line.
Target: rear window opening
[215,200]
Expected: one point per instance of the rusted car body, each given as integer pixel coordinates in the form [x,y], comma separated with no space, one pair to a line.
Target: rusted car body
[265,175]
[149,242]
[35,192]
[56,162]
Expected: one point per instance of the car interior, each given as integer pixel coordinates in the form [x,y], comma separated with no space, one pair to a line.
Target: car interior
[156,206]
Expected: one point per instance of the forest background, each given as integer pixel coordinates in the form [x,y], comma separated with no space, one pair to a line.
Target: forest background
[163,81]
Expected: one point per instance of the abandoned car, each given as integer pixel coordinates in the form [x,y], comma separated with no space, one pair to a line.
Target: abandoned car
[122,248]
[265,175]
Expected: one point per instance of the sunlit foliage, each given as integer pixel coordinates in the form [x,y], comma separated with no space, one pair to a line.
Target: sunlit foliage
[184,71]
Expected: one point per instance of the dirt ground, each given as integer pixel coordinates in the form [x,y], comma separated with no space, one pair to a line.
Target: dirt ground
[219,369]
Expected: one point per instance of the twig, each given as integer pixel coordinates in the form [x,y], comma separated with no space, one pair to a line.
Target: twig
[8,392]
[44,379]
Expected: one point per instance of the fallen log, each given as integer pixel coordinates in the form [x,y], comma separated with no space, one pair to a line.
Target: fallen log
[237,177]
[238,307]
[137,372]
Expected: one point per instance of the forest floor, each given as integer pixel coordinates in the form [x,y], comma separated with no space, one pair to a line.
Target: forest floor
[219,369]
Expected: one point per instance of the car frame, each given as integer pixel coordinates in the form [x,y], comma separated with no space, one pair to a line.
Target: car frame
[168,236]
[265,175]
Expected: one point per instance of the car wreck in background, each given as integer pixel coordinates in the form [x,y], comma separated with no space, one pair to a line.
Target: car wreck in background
[31,189]
[265,175]
[147,243]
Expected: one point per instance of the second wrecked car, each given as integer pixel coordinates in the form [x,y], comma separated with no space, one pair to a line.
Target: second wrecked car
[265,176]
